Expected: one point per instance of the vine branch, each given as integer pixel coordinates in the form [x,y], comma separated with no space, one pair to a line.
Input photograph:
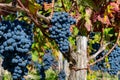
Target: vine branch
[102,35]
[53,3]
[33,19]
[118,37]
[102,48]
[18,8]
[78,69]
[23,9]
[63,5]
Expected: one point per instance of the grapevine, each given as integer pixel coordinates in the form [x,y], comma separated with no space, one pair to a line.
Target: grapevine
[67,25]
[48,61]
[60,30]
[114,61]
[17,38]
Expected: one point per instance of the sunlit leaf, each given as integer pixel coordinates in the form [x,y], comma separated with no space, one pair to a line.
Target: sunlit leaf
[89,3]
[88,23]
[47,6]
[33,7]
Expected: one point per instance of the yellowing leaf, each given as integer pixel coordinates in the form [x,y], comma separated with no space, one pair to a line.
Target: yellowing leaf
[47,6]
[33,7]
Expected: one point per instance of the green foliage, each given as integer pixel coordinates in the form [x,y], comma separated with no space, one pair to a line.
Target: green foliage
[98,75]
[51,75]
[89,3]
[77,10]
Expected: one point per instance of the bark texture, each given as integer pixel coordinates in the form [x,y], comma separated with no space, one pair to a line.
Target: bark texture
[81,60]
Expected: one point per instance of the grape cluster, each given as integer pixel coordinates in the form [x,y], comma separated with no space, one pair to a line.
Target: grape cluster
[16,39]
[114,61]
[48,61]
[101,65]
[62,75]
[60,30]
[91,35]
[48,1]
[96,46]
[40,70]
[41,2]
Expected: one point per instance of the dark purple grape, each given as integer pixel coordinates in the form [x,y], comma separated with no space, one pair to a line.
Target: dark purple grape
[60,30]
[15,44]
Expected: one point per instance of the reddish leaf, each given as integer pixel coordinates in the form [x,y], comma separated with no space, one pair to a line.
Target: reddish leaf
[47,6]
[115,6]
[118,1]
[71,28]
[88,23]
[104,19]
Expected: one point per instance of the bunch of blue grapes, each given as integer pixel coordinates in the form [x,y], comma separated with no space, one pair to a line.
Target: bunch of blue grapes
[16,39]
[96,46]
[48,61]
[60,30]
[101,65]
[40,70]
[91,35]
[48,1]
[61,75]
[41,2]
[114,61]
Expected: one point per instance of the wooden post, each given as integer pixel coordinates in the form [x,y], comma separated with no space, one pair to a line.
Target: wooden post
[1,69]
[81,60]
[82,57]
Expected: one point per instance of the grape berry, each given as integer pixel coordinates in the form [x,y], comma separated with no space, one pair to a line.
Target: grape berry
[48,61]
[61,75]
[113,61]
[60,30]
[41,2]
[16,39]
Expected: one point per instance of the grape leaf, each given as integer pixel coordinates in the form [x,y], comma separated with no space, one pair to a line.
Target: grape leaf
[33,7]
[88,23]
[47,6]
[89,3]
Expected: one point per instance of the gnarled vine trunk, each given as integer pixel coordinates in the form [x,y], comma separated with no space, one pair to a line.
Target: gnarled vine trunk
[81,60]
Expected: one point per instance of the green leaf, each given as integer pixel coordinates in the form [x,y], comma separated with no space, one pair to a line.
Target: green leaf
[35,56]
[109,31]
[89,3]
[33,7]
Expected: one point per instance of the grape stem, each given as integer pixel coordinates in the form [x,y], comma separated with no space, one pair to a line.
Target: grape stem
[32,18]
[63,5]
[18,8]
[74,7]
[23,9]
[117,41]
[53,3]
[102,35]
[7,11]
[77,69]
[102,48]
